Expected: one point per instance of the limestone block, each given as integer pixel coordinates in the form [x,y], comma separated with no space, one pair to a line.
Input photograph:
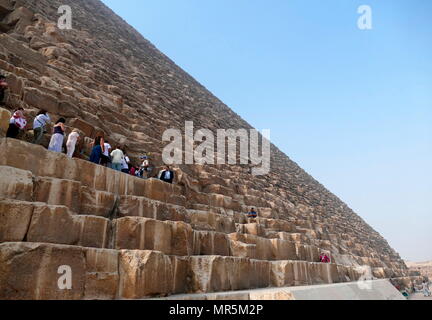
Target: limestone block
[282,274]
[102,274]
[180,267]
[264,249]
[308,253]
[84,126]
[56,225]
[94,231]
[53,224]
[301,273]
[139,207]
[5,116]
[39,100]
[158,190]
[15,84]
[29,271]
[280,225]
[215,273]
[15,218]
[25,156]
[147,208]
[59,192]
[211,243]
[182,239]
[97,203]
[260,274]
[209,274]
[243,250]
[144,274]
[253,229]
[283,250]
[142,234]
[16,184]
[324,273]
[203,220]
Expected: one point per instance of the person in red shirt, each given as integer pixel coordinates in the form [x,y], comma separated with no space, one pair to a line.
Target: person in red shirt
[132,171]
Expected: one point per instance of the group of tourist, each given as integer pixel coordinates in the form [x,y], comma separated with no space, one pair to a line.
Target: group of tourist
[18,123]
[117,159]
[102,153]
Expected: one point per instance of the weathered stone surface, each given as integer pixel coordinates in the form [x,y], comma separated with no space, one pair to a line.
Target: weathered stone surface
[102,274]
[55,224]
[181,277]
[59,192]
[165,192]
[97,203]
[16,184]
[29,271]
[215,273]
[211,243]
[147,208]
[15,219]
[143,234]
[203,220]
[144,274]
[5,116]
[243,250]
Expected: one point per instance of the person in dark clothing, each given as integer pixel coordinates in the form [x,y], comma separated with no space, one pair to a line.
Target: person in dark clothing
[167,175]
[3,87]
[97,151]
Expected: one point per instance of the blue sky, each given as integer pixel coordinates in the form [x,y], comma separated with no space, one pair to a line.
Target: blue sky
[352,107]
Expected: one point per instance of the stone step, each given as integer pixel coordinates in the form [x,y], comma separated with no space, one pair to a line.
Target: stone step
[40,222]
[34,159]
[135,274]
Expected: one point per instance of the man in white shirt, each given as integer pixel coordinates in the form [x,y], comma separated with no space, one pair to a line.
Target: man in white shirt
[125,164]
[39,126]
[106,160]
[116,159]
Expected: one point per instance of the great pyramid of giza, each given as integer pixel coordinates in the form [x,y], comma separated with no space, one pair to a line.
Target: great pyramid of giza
[123,237]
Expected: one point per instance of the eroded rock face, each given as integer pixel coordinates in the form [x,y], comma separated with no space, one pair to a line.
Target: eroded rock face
[144,274]
[29,271]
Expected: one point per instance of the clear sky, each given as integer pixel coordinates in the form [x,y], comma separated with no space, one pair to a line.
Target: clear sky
[352,107]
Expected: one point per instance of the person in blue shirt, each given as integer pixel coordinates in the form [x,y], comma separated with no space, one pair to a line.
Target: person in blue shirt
[252,214]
